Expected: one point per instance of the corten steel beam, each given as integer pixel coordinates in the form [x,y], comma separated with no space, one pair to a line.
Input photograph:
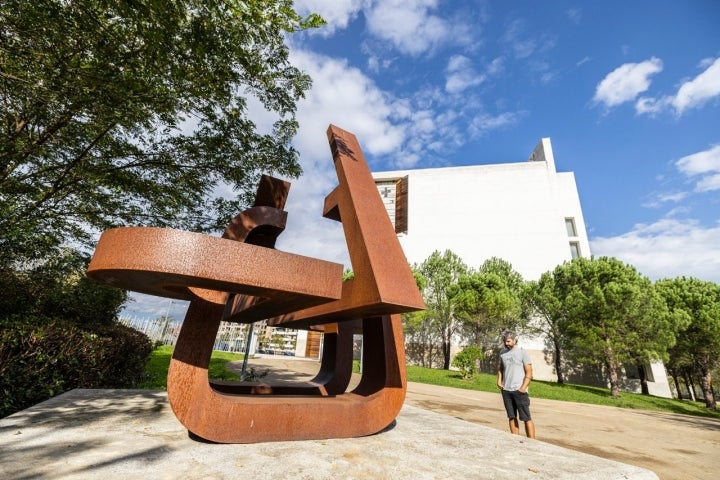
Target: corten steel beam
[382,288]
[182,265]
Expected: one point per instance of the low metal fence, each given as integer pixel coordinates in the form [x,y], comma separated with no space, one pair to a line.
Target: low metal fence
[231,337]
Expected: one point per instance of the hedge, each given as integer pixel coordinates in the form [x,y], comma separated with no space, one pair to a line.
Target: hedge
[42,357]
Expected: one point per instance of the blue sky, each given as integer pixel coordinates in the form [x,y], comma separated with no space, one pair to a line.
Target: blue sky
[628,92]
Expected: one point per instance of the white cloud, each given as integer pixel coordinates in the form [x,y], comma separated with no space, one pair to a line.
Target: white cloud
[677,211]
[708,183]
[667,248]
[400,130]
[461,75]
[663,198]
[496,67]
[700,162]
[700,89]
[673,197]
[337,13]
[346,97]
[150,307]
[626,82]
[574,15]
[673,246]
[705,164]
[651,106]
[529,48]
[410,26]
[482,124]
[514,37]
[691,94]
[376,64]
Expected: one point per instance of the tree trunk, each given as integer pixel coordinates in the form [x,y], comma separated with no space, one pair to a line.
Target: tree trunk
[643,380]
[446,355]
[707,389]
[558,363]
[673,374]
[612,367]
[614,382]
[690,385]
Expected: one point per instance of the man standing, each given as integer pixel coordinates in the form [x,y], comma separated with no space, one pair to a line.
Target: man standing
[514,375]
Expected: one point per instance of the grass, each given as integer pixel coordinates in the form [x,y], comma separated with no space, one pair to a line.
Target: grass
[568,393]
[157,367]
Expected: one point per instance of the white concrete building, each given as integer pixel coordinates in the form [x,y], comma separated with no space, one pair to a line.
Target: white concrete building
[526,213]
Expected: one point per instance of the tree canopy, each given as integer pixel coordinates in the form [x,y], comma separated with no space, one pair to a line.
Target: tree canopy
[614,315]
[489,299]
[59,289]
[547,317]
[594,312]
[119,113]
[699,342]
[439,273]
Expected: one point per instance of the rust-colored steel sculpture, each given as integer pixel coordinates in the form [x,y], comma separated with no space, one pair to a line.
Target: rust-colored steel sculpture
[242,278]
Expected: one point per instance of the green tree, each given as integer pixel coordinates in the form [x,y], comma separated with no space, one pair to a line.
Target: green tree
[440,273]
[614,315]
[547,317]
[467,360]
[276,342]
[119,113]
[698,345]
[489,299]
[58,288]
[422,342]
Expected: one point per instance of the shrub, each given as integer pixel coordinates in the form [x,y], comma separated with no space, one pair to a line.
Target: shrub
[467,360]
[58,287]
[41,357]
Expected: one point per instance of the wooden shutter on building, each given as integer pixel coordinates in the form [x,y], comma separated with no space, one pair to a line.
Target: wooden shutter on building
[401,205]
[312,347]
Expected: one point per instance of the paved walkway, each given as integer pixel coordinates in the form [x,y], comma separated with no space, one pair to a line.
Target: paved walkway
[673,446]
[133,435]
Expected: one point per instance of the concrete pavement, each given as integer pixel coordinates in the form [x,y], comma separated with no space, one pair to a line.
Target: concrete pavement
[132,434]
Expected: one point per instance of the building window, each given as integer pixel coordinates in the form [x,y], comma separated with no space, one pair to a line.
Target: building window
[574,249]
[394,194]
[388,192]
[570,227]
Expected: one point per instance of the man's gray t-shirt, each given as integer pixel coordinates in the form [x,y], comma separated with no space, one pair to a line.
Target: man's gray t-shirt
[513,361]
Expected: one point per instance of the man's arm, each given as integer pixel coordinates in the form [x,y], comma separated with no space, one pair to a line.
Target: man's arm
[500,376]
[528,376]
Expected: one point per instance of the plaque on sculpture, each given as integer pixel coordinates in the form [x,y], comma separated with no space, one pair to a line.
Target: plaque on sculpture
[241,277]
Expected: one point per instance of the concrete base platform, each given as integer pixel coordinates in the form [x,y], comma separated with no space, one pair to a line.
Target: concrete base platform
[133,434]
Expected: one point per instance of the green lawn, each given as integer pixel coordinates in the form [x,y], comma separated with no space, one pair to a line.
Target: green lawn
[569,393]
[157,368]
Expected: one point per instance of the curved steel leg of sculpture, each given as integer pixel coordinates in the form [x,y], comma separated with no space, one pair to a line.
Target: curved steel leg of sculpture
[225,418]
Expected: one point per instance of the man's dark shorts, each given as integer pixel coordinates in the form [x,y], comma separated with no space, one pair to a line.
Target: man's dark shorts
[517,402]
